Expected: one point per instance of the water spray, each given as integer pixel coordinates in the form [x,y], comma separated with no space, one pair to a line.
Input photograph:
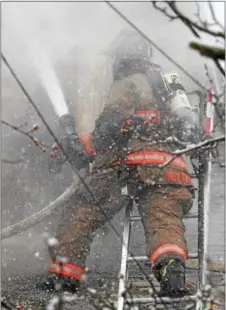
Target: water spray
[51,84]
[49,79]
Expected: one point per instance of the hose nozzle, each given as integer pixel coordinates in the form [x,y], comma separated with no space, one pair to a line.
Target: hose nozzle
[67,122]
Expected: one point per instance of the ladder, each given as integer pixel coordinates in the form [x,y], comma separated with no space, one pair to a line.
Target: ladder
[201,216]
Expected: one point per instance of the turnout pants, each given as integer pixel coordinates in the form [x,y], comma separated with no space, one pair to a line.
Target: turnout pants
[161,208]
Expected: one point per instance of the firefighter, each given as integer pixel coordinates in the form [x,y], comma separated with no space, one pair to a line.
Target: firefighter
[148,117]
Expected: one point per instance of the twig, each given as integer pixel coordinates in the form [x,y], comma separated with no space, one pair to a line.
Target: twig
[27,134]
[164,10]
[191,24]
[198,14]
[200,145]
[217,63]
[214,16]
[178,15]
[192,148]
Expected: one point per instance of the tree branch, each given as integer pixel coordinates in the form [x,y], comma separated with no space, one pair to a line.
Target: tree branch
[193,25]
[200,145]
[214,16]
[217,63]
[194,147]
[203,26]
[27,134]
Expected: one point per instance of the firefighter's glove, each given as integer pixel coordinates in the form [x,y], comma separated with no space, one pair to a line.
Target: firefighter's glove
[128,125]
[75,151]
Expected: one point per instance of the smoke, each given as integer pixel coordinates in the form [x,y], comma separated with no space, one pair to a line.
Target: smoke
[87,29]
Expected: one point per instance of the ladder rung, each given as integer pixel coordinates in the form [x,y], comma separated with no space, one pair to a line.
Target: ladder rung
[145,259]
[191,215]
[188,216]
[158,300]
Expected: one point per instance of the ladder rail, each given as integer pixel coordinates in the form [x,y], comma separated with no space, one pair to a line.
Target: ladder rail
[124,257]
[204,189]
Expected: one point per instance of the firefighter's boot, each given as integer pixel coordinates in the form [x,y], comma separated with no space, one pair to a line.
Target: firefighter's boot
[51,283]
[65,275]
[170,272]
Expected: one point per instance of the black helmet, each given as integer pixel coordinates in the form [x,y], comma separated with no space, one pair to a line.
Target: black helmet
[130,47]
[129,44]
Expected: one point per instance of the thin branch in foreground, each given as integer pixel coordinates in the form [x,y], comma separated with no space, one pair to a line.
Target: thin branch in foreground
[164,10]
[200,145]
[214,16]
[42,146]
[192,25]
[27,134]
[218,65]
[198,14]
[193,147]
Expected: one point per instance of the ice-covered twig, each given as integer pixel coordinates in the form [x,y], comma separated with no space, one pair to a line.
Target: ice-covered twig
[200,145]
[42,146]
[27,133]
[197,27]
[194,147]
[214,16]
[191,24]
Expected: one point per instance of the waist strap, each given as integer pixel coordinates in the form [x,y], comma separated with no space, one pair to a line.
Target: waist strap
[153,158]
[176,172]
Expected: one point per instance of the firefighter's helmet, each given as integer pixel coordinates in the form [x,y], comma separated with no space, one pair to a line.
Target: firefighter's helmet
[130,45]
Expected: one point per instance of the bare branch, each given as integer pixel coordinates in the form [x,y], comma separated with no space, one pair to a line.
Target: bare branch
[28,134]
[192,25]
[214,16]
[218,65]
[164,10]
[194,147]
[198,14]
[200,145]
[203,26]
